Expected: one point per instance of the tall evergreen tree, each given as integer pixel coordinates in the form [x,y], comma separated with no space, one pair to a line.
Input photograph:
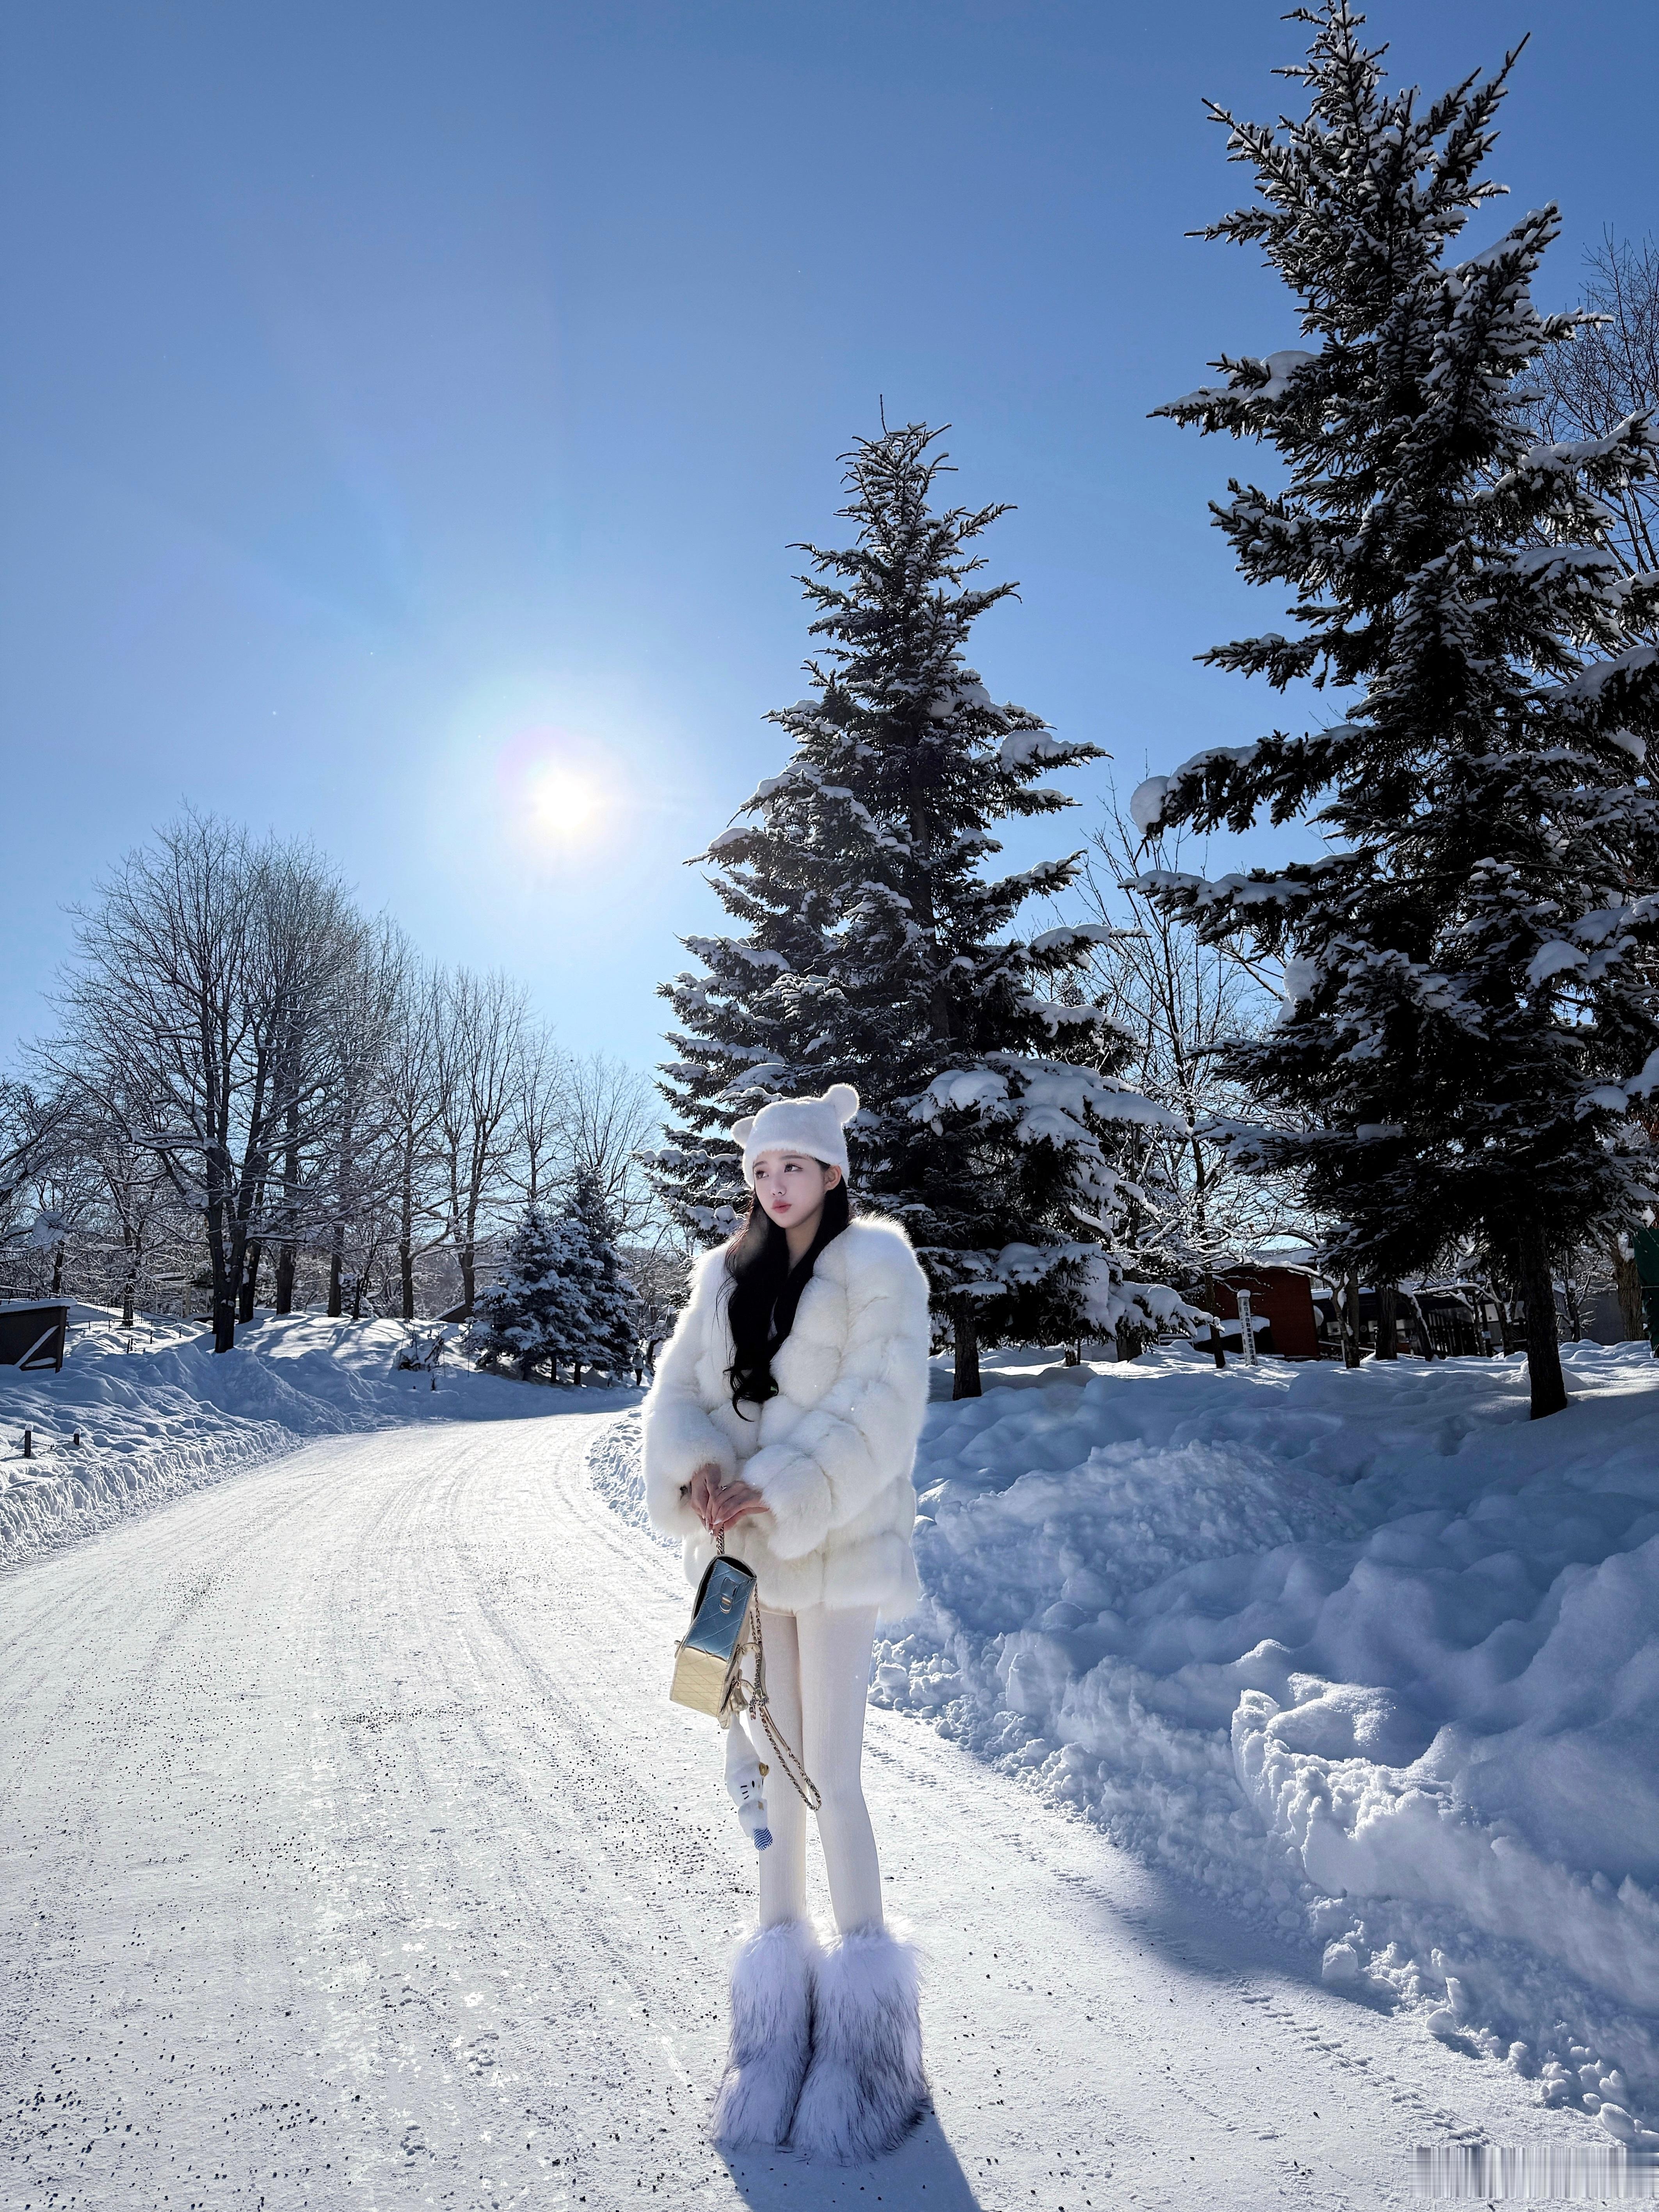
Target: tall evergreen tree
[1467,972]
[562,1296]
[605,1334]
[875,949]
[533,1312]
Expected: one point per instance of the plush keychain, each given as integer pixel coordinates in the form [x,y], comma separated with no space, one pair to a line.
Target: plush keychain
[745,1778]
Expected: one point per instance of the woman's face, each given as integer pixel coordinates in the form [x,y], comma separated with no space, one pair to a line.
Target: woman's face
[791,1186]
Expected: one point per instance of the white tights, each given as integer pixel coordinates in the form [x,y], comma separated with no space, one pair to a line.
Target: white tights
[818,1677]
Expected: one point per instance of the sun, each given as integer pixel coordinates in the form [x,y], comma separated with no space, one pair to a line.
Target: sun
[560,802]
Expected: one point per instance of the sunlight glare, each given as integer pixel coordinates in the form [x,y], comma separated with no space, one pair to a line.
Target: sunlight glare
[560,802]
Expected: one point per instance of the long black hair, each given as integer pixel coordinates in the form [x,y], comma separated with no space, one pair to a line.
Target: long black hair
[766,1291]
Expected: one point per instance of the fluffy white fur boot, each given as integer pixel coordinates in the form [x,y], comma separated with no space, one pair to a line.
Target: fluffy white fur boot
[865,2088]
[772,1979]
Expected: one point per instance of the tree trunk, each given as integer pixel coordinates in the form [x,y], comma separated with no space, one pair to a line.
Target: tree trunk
[1347,1317]
[1627,1282]
[965,1329]
[126,1304]
[1417,1328]
[224,1286]
[235,1260]
[1388,1307]
[287,1252]
[336,1270]
[1549,1391]
[1216,1345]
[467,1259]
[250,1290]
[406,1251]
[56,1269]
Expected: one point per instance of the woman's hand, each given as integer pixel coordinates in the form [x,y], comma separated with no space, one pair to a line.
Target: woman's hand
[703,1489]
[734,1501]
[717,1502]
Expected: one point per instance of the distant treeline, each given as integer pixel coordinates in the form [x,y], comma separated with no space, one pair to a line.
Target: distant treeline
[255,1094]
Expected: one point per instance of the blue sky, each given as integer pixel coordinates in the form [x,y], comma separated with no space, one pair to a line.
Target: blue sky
[405,410]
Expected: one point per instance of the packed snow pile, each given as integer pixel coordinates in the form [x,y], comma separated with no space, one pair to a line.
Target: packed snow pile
[159,1412]
[1369,1654]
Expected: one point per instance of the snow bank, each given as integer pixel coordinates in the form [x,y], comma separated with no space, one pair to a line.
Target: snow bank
[613,1466]
[161,1414]
[1370,1655]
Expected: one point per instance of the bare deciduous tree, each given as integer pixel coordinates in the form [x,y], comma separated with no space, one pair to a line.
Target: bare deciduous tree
[1585,390]
[357,1183]
[195,1020]
[660,1274]
[308,936]
[136,1191]
[539,1110]
[248,1069]
[480,1022]
[609,1111]
[412,1103]
[162,1001]
[1178,1001]
[1608,373]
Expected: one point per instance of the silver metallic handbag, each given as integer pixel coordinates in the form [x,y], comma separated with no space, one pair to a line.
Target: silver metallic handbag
[708,1659]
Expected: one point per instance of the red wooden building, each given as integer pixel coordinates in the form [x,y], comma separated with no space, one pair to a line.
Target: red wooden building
[1283,1297]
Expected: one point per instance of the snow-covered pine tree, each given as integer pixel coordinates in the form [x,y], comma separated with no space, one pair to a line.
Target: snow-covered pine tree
[875,949]
[1466,1007]
[536,1311]
[604,1330]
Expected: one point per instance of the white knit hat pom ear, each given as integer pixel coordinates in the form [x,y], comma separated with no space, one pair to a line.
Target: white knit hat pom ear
[813,1126]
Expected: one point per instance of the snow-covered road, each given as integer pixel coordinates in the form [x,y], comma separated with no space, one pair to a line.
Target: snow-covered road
[350,1854]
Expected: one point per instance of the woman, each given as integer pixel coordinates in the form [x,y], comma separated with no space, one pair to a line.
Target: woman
[785,1413]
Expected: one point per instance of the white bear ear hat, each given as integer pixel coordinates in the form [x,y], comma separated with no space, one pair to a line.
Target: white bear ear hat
[813,1125]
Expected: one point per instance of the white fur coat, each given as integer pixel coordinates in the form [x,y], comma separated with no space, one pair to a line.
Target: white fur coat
[831,1454]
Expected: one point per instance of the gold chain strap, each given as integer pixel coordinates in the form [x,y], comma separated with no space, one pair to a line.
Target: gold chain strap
[806,1789]
[753,1698]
